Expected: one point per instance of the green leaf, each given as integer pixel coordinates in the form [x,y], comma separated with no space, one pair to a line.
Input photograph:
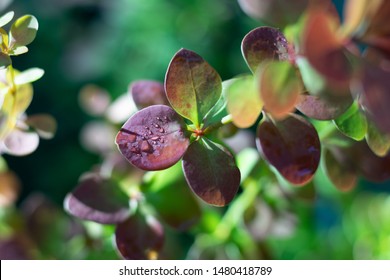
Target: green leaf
[313,81]
[6,18]
[378,141]
[211,172]
[192,86]
[23,31]
[29,76]
[352,123]
[243,101]
[5,60]
[280,87]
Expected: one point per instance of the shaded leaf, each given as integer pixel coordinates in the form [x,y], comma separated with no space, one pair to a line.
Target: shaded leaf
[243,101]
[153,138]
[98,200]
[280,87]
[17,247]
[211,172]
[352,123]
[320,108]
[378,141]
[6,18]
[147,92]
[292,146]
[45,125]
[340,173]
[192,86]
[263,43]
[5,60]
[94,99]
[139,237]
[162,193]
[97,137]
[24,30]
[29,76]
[21,143]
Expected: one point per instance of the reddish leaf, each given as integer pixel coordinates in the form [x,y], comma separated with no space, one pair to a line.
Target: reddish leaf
[370,166]
[147,92]
[9,188]
[193,87]
[98,200]
[211,172]
[264,43]
[45,125]
[292,146]
[153,138]
[139,237]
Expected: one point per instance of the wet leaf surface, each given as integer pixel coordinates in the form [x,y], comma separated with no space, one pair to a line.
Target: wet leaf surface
[98,200]
[148,92]
[211,172]
[153,138]
[292,146]
[192,86]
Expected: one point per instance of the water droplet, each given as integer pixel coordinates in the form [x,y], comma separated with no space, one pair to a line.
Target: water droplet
[165,118]
[134,150]
[162,130]
[162,140]
[159,119]
[155,138]
[131,138]
[156,125]
[146,147]
[150,133]
[146,127]
[154,142]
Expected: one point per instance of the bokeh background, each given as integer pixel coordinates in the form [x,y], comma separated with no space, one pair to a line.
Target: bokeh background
[111,43]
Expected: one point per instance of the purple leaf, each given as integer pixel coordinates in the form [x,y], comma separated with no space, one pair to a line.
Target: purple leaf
[98,200]
[211,172]
[147,93]
[153,138]
[139,237]
[292,146]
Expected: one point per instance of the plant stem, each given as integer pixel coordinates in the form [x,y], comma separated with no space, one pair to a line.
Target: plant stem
[225,120]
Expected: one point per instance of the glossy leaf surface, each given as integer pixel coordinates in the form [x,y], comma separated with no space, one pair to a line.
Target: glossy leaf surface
[153,138]
[192,86]
[139,237]
[378,141]
[44,125]
[292,146]
[352,123]
[211,172]
[99,200]
[263,43]
[243,101]
[147,92]
[24,30]
[280,88]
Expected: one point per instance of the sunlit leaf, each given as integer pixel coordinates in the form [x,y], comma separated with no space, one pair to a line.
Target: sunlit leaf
[121,109]
[98,200]
[320,108]
[378,141]
[280,87]
[139,237]
[292,146]
[29,76]
[147,92]
[192,86]
[153,138]
[219,110]
[166,186]
[340,173]
[45,125]
[9,188]
[243,101]
[18,50]
[352,123]
[211,172]
[5,60]
[21,143]
[94,99]
[24,30]
[6,18]
[263,43]
[313,81]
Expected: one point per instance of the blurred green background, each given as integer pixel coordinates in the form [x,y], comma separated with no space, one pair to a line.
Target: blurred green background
[114,42]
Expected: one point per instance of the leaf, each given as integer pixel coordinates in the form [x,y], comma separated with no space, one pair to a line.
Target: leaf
[139,237]
[263,43]
[94,99]
[96,137]
[147,92]
[324,49]
[243,101]
[29,76]
[280,88]
[5,60]
[211,172]
[378,141]
[21,143]
[340,173]
[9,189]
[99,200]
[23,31]
[320,108]
[166,186]
[45,125]
[313,81]
[5,19]
[153,138]
[352,123]
[18,50]
[292,146]
[192,86]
